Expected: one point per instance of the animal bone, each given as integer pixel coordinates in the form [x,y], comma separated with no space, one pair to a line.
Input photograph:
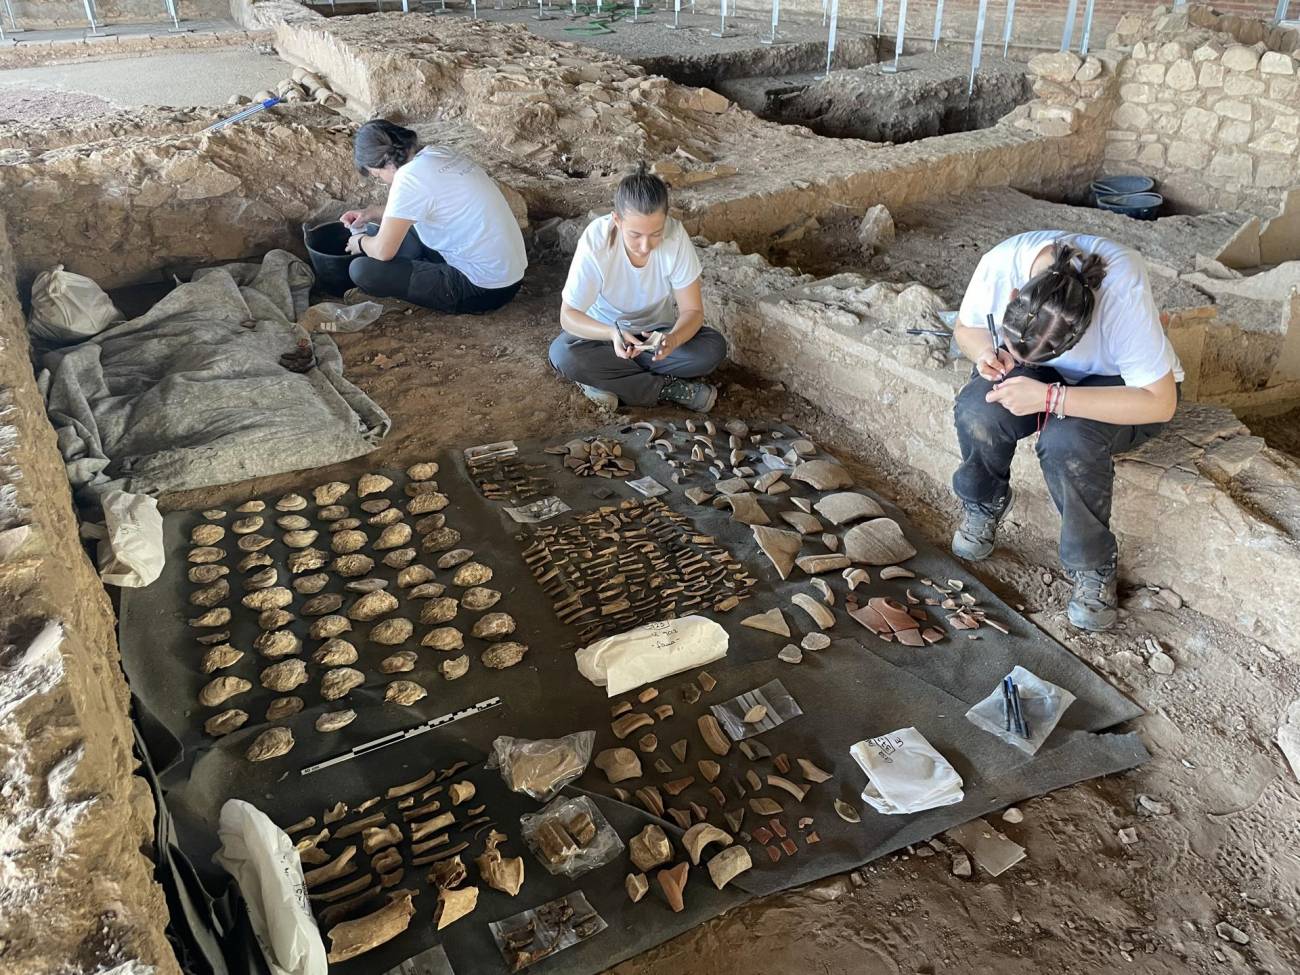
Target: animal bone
[650,798]
[714,737]
[673,881]
[454,905]
[498,872]
[271,743]
[335,869]
[460,792]
[376,838]
[352,938]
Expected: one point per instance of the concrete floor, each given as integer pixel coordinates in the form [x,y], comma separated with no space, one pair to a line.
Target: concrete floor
[188,78]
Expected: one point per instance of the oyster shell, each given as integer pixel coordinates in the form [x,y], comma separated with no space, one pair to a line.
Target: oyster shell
[353,566]
[335,720]
[376,505]
[253,560]
[284,676]
[479,598]
[326,602]
[253,542]
[457,556]
[277,643]
[273,619]
[439,610]
[246,526]
[291,502]
[347,542]
[455,667]
[326,494]
[211,572]
[372,484]
[399,558]
[399,662]
[423,504]
[222,689]
[493,625]
[293,523]
[416,488]
[300,539]
[404,692]
[444,638]
[394,536]
[429,522]
[213,617]
[503,655]
[441,539]
[373,605]
[413,575]
[335,653]
[210,596]
[365,585]
[389,516]
[344,525]
[271,743]
[212,639]
[214,514]
[472,574]
[206,553]
[391,632]
[206,534]
[264,579]
[225,722]
[422,471]
[340,681]
[328,626]
[306,560]
[276,597]
[427,590]
[332,512]
[283,707]
[220,657]
[252,506]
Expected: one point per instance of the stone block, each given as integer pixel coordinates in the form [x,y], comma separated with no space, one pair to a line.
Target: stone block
[1240,58]
[1234,133]
[1121,151]
[1276,63]
[1090,70]
[1243,85]
[1290,124]
[1237,167]
[1060,113]
[1150,73]
[1284,90]
[1172,51]
[1200,124]
[1120,135]
[1136,93]
[1206,53]
[1272,173]
[1181,76]
[1129,116]
[1275,141]
[1146,137]
[1058,66]
[1188,155]
[1231,108]
[1140,51]
[1129,24]
[876,229]
[1167,123]
[1211,75]
[1152,155]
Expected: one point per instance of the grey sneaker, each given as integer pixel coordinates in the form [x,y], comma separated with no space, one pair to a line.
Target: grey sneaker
[1093,605]
[975,536]
[601,397]
[690,393]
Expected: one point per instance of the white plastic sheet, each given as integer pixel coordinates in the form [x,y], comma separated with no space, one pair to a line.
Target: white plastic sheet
[131,553]
[651,652]
[261,858]
[69,307]
[905,774]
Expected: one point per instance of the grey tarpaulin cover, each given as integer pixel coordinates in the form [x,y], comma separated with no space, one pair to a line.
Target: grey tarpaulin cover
[192,393]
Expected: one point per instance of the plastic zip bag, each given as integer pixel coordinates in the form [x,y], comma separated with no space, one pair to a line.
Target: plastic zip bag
[530,936]
[541,768]
[777,704]
[570,836]
[1041,704]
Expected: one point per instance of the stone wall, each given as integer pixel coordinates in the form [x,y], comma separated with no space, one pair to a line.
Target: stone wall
[37,14]
[1215,121]
[75,822]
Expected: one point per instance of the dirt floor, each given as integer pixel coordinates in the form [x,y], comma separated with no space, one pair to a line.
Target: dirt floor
[1215,840]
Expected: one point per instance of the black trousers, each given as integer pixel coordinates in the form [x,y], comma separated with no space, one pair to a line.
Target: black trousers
[1075,455]
[419,275]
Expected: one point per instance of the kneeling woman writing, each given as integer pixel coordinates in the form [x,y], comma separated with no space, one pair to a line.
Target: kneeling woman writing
[632,313]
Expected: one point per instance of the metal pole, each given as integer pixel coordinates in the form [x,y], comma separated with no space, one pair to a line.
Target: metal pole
[1067,36]
[826,10]
[938,23]
[722,30]
[1278,16]
[1087,26]
[1006,27]
[830,37]
[176,27]
[898,40]
[95,30]
[776,19]
[977,51]
[880,17]
[677,15]
[543,15]
[13,23]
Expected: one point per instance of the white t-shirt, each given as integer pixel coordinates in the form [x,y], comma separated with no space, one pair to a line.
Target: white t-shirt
[605,284]
[1125,337]
[460,212]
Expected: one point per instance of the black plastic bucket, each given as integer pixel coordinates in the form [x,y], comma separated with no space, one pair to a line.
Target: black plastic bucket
[1120,186]
[1139,206]
[326,246]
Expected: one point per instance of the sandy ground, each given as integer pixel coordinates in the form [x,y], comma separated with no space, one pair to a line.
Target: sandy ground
[1083,901]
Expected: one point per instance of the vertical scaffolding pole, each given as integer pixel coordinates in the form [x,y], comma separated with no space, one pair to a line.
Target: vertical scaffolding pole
[174,13]
[95,30]
[1006,27]
[776,19]
[1279,15]
[977,49]
[722,28]
[13,23]
[898,40]
[880,17]
[830,37]
[677,15]
[1067,35]
[938,23]
[1087,27]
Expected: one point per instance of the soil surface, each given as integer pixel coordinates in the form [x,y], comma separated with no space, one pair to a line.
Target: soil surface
[1218,847]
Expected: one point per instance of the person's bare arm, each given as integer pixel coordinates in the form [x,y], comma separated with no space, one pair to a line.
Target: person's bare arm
[383,246]
[977,345]
[1120,405]
[362,217]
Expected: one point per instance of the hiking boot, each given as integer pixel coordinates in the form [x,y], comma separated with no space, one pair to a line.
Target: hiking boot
[690,393]
[975,536]
[1093,605]
[603,398]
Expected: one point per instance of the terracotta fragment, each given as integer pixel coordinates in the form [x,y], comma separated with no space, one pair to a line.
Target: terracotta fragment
[648,743]
[790,654]
[404,692]
[285,675]
[824,475]
[753,779]
[714,737]
[682,817]
[735,818]
[815,641]
[821,616]
[763,806]
[340,681]
[271,743]
[746,510]
[650,798]
[554,843]
[728,864]
[815,564]
[391,632]
[690,693]
[878,542]
[896,572]
[628,723]
[802,522]
[709,769]
[811,772]
[448,873]
[678,786]
[847,812]
[782,763]
[781,547]
[707,681]
[618,764]
[283,707]
[636,886]
[700,836]
[773,621]
[225,722]
[679,748]
[797,792]
[503,655]
[673,882]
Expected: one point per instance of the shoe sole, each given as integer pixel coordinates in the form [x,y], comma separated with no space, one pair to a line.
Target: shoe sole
[713,399]
[970,554]
[1089,625]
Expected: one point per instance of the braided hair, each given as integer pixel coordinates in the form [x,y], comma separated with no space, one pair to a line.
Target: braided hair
[1054,308]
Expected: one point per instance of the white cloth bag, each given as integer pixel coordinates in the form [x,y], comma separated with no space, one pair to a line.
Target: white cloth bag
[905,774]
[131,550]
[69,307]
[651,652]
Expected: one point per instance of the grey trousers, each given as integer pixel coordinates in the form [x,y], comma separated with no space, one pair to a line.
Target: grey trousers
[636,382]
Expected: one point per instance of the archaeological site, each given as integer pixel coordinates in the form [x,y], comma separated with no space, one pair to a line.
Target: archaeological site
[720,487]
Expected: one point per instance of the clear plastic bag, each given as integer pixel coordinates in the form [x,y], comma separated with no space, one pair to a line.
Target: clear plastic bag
[530,936]
[1041,704]
[541,768]
[570,837]
[777,704]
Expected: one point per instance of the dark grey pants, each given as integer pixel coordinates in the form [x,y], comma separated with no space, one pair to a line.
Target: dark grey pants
[636,382]
[1075,455]
[420,275]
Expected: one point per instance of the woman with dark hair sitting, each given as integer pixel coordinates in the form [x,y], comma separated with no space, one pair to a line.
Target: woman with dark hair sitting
[632,313]
[1067,342]
[446,239]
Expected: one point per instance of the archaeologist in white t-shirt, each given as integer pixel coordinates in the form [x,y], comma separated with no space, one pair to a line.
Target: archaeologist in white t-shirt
[632,312]
[447,238]
[1081,358]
